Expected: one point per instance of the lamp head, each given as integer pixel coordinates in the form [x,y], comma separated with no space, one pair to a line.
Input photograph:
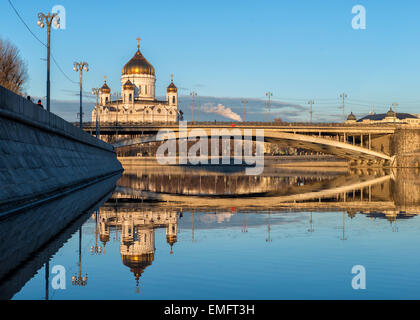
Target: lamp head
[57,21]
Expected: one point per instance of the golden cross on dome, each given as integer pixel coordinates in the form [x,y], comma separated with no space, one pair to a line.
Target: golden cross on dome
[172,77]
[138,42]
[105,78]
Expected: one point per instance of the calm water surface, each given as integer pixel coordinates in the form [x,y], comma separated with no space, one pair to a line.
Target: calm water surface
[184,233]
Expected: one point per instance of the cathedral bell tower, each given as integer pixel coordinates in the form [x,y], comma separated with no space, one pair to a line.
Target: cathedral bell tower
[128,92]
[105,96]
[172,93]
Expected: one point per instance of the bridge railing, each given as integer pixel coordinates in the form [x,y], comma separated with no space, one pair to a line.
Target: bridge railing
[227,123]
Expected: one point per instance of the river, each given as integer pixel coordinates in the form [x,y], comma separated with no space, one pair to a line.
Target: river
[216,233]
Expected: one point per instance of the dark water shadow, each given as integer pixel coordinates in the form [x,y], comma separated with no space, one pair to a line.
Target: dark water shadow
[30,238]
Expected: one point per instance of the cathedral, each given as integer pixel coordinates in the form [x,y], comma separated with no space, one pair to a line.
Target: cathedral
[137,102]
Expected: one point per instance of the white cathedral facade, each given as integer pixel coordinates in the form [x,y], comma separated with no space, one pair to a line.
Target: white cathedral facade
[137,102]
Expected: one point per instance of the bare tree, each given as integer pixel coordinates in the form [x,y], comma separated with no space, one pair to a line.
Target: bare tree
[13,70]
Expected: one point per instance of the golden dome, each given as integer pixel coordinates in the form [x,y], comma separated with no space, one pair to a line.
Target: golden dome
[171,88]
[105,88]
[128,85]
[138,65]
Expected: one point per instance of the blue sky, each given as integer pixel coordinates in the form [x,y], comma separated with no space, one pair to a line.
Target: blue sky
[298,50]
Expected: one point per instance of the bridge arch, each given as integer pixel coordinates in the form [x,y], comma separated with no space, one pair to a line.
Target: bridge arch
[317,144]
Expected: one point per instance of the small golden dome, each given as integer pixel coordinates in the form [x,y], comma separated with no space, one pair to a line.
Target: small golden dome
[171,88]
[128,85]
[171,239]
[138,65]
[105,88]
[351,117]
[391,113]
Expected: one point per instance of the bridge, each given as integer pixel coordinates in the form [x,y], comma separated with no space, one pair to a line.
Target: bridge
[368,144]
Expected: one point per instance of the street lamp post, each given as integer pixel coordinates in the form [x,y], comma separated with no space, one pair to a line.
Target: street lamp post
[96,91]
[79,67]
[48,21]
[343,96]
[244,102]
[269,95]
[117,96]
[395,105]
[311,102]
[193,94]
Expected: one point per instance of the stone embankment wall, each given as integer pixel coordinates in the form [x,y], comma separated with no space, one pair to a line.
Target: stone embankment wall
[41,154]
[405,146]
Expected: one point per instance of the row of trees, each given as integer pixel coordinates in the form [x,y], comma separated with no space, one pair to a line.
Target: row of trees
[13,70]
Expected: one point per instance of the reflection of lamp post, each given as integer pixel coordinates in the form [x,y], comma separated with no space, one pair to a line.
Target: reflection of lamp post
[96,249]
[192,225]
[96,91]
[48,21]
[395,228]
[244,229]
[310,224]
[344,237]
[269,227]
[79,67]
[78,280]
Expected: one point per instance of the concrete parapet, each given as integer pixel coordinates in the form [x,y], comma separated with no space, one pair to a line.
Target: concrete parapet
[42,154]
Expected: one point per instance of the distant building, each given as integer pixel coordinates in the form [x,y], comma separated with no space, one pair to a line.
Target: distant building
[390,117]
[138,102]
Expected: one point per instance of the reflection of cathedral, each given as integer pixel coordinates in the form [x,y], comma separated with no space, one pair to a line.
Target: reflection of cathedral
[137,103]
[137,228]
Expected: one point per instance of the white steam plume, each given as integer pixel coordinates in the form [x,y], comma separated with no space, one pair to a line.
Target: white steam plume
[221,110]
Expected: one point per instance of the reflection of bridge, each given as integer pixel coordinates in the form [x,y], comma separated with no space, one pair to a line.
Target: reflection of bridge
[370,144]
[330,196]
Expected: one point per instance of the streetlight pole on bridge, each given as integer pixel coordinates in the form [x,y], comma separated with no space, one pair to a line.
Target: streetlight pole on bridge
[79,67]
[96,91]
[244,102]
[193,94]
[117,97]
[395,105]
[269,95]
[343,96]
[311,102]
